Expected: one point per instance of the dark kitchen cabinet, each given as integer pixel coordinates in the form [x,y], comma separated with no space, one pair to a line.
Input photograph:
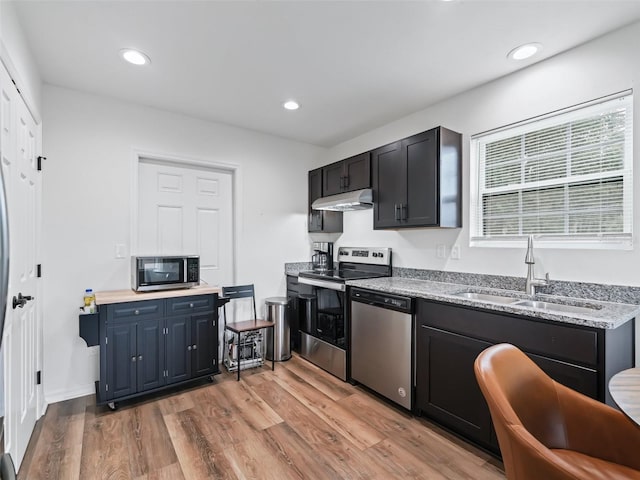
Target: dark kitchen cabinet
[135,355]
[148,345]
[348,175]
[449,338]
[417,181]
[321,220]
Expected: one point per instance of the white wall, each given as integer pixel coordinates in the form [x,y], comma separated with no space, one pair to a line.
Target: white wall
[16,56]
[89,143]
[604,66]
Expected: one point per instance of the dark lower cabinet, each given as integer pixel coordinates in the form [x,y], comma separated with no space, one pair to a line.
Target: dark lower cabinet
[449,338]
[149,345]
[446,387]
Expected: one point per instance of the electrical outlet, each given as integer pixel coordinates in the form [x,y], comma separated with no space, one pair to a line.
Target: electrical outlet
[455,252]
[441,250]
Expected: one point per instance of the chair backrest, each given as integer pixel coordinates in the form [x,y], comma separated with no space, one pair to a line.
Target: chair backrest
[235,292]
[522,400]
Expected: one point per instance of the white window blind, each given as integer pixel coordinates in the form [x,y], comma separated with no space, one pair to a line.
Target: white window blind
[564,177]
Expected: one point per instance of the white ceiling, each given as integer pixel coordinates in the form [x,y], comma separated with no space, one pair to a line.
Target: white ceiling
[353,65]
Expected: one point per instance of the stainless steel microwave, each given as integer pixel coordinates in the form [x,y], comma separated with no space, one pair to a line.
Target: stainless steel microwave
[164,272]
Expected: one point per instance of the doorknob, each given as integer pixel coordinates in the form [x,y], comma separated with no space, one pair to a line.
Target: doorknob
[20,300]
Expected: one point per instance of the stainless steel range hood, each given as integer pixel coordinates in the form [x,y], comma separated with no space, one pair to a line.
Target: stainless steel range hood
[358,200]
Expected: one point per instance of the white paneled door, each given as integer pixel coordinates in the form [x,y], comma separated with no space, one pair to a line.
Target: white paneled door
[19,148]
[187,210]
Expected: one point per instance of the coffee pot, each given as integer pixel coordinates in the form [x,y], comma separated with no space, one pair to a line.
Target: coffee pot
[322,259]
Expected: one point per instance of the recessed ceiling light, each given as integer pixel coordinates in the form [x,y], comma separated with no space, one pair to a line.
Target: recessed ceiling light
[291,105]
[524,51]
[134,56]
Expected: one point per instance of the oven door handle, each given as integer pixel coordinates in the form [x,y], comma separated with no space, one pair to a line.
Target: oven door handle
[340,287]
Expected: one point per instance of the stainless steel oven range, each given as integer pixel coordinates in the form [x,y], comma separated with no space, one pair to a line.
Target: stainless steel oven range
[324,316]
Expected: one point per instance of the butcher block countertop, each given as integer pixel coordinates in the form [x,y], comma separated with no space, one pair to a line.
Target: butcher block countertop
[119,296]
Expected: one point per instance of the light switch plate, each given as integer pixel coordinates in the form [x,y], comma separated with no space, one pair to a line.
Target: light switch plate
[441,250]
[121,250]
[455,252]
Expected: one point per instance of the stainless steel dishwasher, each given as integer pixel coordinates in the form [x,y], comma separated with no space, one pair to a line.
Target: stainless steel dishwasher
[381,344]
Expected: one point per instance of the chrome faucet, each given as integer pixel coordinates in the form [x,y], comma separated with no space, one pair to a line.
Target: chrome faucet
[532,281]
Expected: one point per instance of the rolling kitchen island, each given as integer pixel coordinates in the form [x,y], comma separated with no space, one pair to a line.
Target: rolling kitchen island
[152,341]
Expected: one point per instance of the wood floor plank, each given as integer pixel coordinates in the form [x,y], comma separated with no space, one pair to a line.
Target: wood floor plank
[253,410]
[145,433]
[295,423]
[337,451]
[331,386]
[198,456]
[303,460]
[104,449]
[357,431]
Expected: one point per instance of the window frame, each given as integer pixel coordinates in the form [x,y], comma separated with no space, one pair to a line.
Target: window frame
[618,241]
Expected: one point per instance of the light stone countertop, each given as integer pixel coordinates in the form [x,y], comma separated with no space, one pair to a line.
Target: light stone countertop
[605,315]
[119,296]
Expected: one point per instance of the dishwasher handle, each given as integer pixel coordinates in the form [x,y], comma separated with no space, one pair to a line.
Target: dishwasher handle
[382,300]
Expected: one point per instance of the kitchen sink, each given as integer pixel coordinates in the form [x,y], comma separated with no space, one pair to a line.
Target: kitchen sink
[556,307]
[486,297]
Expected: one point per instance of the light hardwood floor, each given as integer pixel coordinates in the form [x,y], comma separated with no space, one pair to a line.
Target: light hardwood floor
[295,423]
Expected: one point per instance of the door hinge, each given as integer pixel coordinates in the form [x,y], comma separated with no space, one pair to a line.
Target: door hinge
[106,340]
[39,270]
[39,377]
[106,387]
[40,159]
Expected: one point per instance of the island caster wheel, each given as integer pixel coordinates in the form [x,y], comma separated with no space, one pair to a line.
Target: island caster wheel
[112,406]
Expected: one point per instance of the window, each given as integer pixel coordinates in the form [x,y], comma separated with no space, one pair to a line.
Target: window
[565,177]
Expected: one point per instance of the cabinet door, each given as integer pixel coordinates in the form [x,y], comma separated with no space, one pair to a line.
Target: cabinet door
[333,179]
[446,388]
[389,185]
[150,348]
[319,220]
[178,364]
[204,339]
[121,360]
[315,192]
[357,172]
[580,379]
[421,206]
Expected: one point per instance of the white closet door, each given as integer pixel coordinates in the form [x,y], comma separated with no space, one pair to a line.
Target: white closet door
[19,149]
[184,210]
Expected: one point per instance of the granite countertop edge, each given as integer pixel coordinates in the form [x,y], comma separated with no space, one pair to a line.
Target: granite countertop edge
[609,315]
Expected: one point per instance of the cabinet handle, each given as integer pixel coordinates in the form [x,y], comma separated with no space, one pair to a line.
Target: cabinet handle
[189,348]
[346,181]
[139,358]
[195,347]
[133,359]
[136,312]
[404,208]
[341,181]
[396,212]
[191,305]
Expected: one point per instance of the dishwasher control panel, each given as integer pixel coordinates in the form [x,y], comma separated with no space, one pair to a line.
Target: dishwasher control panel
[385,300]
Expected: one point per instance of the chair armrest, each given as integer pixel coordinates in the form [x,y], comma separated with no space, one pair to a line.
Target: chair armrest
[599,430]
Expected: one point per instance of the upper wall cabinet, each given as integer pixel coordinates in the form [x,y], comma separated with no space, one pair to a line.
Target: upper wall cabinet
[417,181]
[348,175]
[319,220]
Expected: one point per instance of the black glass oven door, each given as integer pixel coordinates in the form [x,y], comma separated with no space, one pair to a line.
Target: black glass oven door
[323,315]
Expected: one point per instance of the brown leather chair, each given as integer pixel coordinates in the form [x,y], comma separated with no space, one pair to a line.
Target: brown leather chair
[547,431]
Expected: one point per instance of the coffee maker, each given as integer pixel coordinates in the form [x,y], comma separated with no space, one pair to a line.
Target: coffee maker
[322,259]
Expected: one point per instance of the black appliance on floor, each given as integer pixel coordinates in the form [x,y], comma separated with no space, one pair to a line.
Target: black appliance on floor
[324,315]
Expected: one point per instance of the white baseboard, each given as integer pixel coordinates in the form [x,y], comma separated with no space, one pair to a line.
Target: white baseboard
[61,395]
